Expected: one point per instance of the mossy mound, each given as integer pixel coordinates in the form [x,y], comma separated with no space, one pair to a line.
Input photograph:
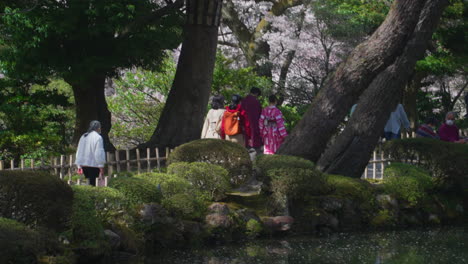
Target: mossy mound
[136,190]
[231,156]
[35,198]
[408,183]
[170,184]
[346,187]
[297,183]
[18,243]
[444,160]
[210,179]
[269,162]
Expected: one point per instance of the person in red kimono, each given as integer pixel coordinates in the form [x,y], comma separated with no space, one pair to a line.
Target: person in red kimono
[252,107]
[235,125]
[271,125]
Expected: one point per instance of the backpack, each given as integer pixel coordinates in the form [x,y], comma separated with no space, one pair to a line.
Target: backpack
[232,124]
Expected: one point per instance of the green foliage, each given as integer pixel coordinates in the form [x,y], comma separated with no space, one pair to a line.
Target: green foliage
[384,218]
[186,205]
[18,243]
[407,182]
[445,161]
[264,163]
[79,38]
[351,188]
[138,103]
[35,198]
[87,232]
[180,196]
[136,190]
[35,121]
[231,156]
[210,178]
[253,228]
[228,80]
[297,183]
[109,203]
[292,115]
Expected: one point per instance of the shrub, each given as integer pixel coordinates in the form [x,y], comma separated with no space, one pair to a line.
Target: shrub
[270,162]
[109,203]
[87,232]
[444,160]
[186,205]
[347,187]
[18,243]
[209,178]
[136,190]
[407,182]
[170,184]
[297,183]
[231,156]
[35,198]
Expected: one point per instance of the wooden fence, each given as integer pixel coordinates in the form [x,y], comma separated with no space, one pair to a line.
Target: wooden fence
[143,160]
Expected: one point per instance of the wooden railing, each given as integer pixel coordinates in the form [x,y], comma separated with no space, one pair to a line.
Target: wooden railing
[63,166]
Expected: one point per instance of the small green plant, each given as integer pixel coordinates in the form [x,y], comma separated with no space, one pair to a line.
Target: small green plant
[253,228]
[209,178]
[170,184]
[186,205]
[264,163]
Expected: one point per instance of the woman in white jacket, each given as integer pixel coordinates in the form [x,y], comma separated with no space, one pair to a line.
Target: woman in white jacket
[90,155]
[212,125]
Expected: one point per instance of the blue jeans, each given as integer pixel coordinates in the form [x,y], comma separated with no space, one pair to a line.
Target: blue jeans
[390,135]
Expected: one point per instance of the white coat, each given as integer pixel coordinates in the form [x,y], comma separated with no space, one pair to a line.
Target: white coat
[90,152]
[212,124]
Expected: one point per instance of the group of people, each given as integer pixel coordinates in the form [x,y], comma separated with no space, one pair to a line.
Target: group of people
[244,122]
[448,131]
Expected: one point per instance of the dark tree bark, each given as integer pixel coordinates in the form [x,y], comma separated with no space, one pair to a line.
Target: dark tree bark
[311,135]
[350,153]
[183,114]
[91,105]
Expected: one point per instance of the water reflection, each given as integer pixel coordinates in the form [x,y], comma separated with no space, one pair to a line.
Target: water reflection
[412,247]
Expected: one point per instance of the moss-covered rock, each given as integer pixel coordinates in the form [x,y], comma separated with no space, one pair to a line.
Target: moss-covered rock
[231,156]
[210,179]
[408,183]
[351,188]
[297,183]
[384,218]
[136,190]
[18,243]
[35,198]
[185,206]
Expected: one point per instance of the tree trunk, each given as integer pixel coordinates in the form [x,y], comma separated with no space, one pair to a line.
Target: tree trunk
[311,135]
[353,147]
[183,114]
[91,105]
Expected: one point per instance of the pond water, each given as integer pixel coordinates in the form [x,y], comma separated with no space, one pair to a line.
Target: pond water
[447,245]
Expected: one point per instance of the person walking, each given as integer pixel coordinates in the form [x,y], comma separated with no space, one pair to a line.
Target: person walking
[212,125]
[252,107]
[397,119]
[235,125]
[271,126]
[90,155]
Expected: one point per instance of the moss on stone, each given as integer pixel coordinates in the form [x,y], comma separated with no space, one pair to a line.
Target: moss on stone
[384,218]
[231,156]
[351,188]
[253,228]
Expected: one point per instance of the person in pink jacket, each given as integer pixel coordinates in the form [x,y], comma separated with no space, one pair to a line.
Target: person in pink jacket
[271,126]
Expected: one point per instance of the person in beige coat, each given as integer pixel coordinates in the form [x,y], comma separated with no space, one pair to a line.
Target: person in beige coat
[212,125]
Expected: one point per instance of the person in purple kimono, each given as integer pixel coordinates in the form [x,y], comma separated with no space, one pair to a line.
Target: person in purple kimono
[449,131]
[271,126]
[253,109]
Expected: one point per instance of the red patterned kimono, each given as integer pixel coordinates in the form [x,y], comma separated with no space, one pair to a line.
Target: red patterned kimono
[272,129]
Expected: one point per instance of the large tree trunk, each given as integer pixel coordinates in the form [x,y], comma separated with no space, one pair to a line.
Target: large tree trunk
[350,153]
[183,114]
[311,135]
[91,105]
